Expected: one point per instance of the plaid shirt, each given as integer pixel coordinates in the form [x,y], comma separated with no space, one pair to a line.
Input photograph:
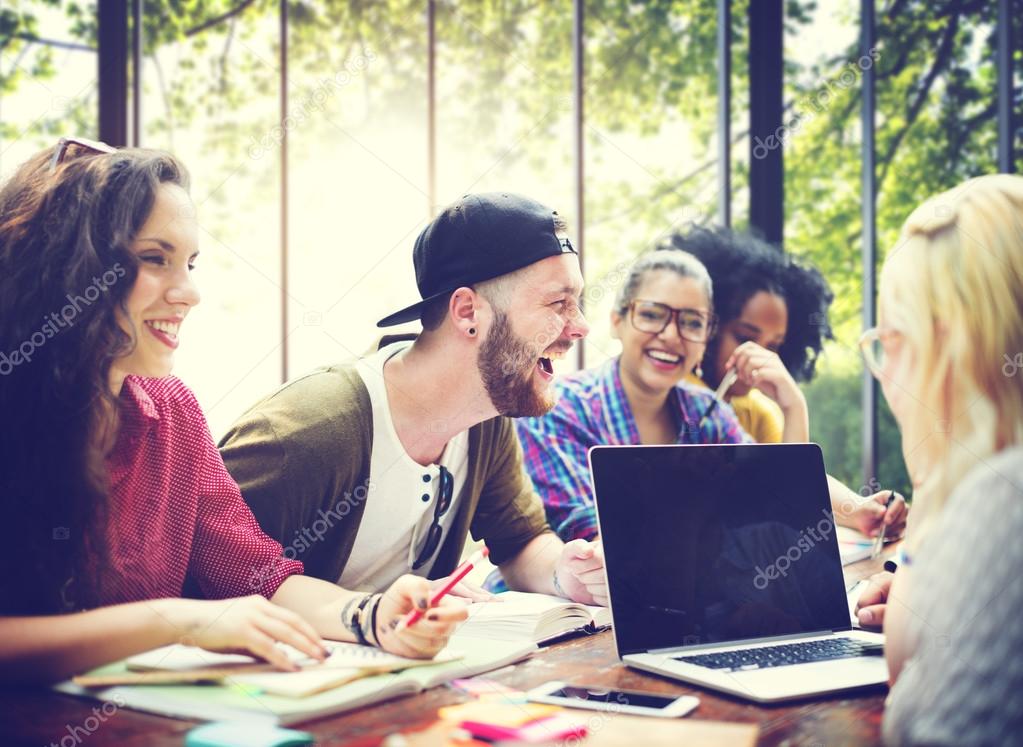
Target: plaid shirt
[592,410]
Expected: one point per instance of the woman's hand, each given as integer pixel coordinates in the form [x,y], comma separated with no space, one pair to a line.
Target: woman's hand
[870,607]
[869,515]
[249,625]
[427,636]
[760,368]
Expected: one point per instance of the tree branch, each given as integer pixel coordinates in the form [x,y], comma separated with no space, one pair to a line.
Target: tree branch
[166,100]
[940,60]
[236,10]
[223,55]
[54,42]
[970,126]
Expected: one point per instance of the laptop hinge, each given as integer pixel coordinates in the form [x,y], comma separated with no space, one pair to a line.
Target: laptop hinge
[738,642]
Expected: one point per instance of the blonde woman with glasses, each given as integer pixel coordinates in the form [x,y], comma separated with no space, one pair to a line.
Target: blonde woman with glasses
[951,316]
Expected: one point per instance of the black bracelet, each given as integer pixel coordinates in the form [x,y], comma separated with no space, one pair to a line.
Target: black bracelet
[374,638]
[354,623]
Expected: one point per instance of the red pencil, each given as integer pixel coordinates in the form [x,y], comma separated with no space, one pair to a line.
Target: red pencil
[460,572]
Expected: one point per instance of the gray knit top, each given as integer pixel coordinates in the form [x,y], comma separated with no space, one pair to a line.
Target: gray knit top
[963,684]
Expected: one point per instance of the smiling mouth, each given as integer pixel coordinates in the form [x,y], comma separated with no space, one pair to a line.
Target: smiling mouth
[165,332]
[545,363]
[663,358]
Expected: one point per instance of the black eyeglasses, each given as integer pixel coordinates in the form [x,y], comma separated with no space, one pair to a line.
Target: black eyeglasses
[654,318]
[433,535]
[72,147]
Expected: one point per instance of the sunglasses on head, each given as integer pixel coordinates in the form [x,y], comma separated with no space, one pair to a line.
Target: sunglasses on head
[72,147]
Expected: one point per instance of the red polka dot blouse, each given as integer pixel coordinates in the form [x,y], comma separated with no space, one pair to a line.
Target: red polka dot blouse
[175,512]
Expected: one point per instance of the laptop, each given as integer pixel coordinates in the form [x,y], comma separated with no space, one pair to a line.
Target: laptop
[724,571]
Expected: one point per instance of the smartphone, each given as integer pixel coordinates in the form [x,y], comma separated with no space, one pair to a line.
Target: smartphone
[615,701]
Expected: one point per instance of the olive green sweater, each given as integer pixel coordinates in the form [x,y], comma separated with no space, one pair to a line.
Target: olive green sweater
[301,457]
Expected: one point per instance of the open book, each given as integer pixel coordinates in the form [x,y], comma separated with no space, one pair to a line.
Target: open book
[518,616]
[246,697]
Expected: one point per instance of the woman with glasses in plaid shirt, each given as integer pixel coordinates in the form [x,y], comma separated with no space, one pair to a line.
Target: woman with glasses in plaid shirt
[664,317]
[114,493]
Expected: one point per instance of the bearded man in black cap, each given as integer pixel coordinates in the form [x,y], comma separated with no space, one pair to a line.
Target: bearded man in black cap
[372,473]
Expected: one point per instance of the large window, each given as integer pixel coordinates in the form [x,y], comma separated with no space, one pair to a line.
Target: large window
[209,95]
[322,139]
[47,79]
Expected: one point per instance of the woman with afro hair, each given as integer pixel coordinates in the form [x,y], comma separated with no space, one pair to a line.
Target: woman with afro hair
[765,297]
[772,315]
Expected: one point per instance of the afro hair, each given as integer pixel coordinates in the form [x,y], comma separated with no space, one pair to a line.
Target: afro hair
[741,265]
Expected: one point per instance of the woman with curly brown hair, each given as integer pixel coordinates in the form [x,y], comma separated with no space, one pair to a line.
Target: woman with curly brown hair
[114,493]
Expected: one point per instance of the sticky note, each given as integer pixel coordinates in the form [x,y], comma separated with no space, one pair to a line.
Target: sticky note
[497,714]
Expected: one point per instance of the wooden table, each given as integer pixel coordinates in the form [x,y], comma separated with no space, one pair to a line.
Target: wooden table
[43,718]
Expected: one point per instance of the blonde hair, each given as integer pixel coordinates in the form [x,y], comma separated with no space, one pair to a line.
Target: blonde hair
[953,286]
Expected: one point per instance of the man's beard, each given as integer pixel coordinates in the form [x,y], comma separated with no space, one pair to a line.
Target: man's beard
[506,363]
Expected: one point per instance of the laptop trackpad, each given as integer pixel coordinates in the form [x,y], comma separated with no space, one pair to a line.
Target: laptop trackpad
[823,676]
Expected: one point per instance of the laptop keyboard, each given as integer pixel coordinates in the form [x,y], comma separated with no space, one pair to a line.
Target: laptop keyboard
[784,655]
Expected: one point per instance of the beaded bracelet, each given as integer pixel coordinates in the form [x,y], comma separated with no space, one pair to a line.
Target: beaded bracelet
[557,586]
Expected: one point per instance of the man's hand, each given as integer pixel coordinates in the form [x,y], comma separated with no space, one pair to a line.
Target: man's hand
[580,572]
[872,602]
[465,590]
[430,634]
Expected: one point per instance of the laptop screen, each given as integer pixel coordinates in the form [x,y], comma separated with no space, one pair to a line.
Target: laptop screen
[711,544]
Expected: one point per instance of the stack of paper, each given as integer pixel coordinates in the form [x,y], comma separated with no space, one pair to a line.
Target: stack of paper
[347,662]
[240,697]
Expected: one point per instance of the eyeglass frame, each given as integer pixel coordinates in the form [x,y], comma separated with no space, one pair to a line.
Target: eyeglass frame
[866,339]
[65,143]
[435,532]
[675,315]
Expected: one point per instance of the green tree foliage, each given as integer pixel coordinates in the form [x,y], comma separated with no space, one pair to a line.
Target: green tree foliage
[650,69]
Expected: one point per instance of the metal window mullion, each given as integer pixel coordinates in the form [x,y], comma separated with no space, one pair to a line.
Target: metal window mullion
[137,14]
[112,61]
[283,91]
[578,110]
[868,248]
[1006,131]
[431,107]
[724,54]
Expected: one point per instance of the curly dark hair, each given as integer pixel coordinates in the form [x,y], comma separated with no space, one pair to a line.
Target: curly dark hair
[741,265]
[66,269]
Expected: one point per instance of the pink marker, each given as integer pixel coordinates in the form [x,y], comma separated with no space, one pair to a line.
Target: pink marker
[460,572]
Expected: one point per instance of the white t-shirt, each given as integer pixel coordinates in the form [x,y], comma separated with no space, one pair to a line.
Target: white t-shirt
[402,494]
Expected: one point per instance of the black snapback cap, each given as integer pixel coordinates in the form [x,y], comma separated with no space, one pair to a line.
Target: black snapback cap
[478,238]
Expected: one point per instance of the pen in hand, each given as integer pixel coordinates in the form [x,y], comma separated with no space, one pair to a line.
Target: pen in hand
[461,572]
[879,542]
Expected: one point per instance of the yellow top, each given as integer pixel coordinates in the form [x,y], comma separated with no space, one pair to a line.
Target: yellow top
[758,414]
